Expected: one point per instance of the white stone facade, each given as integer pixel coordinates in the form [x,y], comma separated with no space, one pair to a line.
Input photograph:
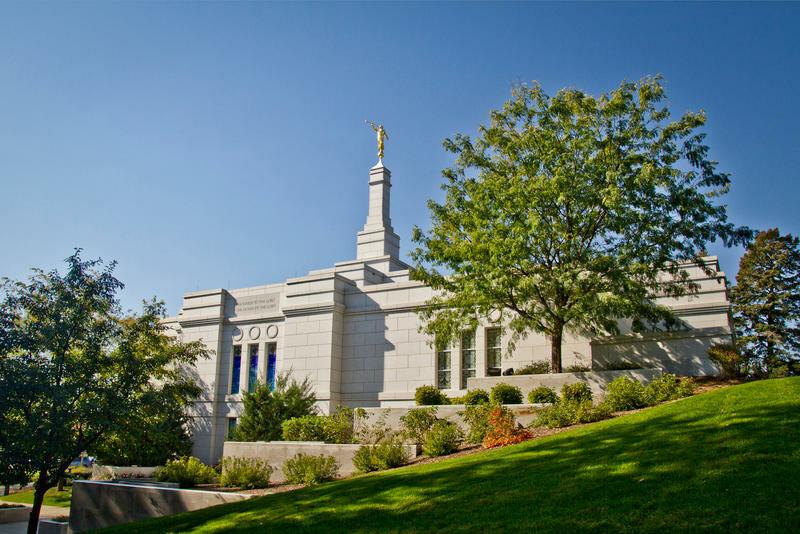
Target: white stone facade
[353,330]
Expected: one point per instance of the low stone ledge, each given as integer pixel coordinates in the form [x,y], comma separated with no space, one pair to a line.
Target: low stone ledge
[107,472]
[16,514]
[597,380]
[100,504]
[277,452]
[524,414]
[48,526]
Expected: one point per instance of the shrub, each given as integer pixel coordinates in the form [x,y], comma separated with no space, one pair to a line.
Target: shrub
[442,438]
[385,455]
[620,365]
[309,469]
[245,473]
[266,410]
[476,396]
[586,412]
[503,429]
[577,392]
[625,394]
[417,422]
[540,367]
[430,396]
[476,417]
[729,360]
[577,368]
[186,471]
[542,394]
[335,428]
[668,387]
[505,394]
[566,413]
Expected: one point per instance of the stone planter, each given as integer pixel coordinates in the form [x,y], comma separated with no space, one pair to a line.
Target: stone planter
[48,526]
[15,515]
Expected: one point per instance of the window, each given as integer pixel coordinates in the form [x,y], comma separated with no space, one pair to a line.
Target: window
[467,357]
[232,421]
[493,351]
[272,360]
[252,369]
[236,369]
[443,368]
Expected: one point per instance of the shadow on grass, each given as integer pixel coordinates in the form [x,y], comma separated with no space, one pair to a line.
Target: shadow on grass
[724,460]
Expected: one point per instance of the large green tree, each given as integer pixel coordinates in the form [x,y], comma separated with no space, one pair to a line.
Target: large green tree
[766,302]
[570,211]
[73,371]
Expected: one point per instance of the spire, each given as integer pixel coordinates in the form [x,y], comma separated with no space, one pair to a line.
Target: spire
[378,239]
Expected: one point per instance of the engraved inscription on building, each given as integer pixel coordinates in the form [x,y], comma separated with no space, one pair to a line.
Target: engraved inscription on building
[256,304]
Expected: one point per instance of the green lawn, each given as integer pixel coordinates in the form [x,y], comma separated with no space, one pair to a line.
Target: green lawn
[728,460]
[51,498]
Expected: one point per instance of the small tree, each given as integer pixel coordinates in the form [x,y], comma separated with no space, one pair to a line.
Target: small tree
[266,410]
[569,212]
[72,371]
[766,302]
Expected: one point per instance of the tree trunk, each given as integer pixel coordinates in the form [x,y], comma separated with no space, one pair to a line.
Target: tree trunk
[61,482]
[6,489]
[555,349]
[38,498]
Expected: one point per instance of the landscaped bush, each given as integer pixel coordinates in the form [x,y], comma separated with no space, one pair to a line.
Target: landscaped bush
[540,367]
[728,358]
[503,429]
[385,455]
[625,394]
[430,396]
[577,392]
[186,471]
[542,395]
[417,422]
[566,413]
[477,419]
[668,387]
[309,469]
[335,428]
[476,396]
[577,368]
[505,394]
[620,365]
[245,473]
[442,438]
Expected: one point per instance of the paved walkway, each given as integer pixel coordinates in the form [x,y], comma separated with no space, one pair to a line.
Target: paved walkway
[21,528]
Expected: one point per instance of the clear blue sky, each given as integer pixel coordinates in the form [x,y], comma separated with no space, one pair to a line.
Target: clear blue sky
[223,145]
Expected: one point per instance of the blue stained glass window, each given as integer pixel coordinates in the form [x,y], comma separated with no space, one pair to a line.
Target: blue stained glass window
[252,370]
[231,426]
[272,359]
[236,369]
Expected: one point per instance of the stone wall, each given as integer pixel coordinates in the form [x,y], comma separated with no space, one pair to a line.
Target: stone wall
[98,504]
[277,452]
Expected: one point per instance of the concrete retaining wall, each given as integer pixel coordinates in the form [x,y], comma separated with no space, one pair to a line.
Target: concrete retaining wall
[97,504]
[15,515]
[597,380]
[277,452]
[107,472]
[524,413]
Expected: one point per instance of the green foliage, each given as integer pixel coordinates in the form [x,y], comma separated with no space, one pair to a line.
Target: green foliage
[766,303]
[542,394]
[186,471]
[505,394]
[476,418]
[387,454]
[729,360]
[430,396]
[569,412]
[442,438]
[536,368]
[75,373]
[265,411]
[625,394]
[668,387]
[568,211]
[417,422]
[577,392]
[620,365]
[309,469]
[334,428]
[476,396]
[245,473]
[577,368]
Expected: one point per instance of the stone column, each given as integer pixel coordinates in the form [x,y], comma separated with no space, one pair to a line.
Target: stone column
[378,239]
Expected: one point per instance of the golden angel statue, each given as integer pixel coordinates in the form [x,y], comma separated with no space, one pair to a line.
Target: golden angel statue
[380,131]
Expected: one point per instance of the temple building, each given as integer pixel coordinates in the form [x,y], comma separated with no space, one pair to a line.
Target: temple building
[353,330]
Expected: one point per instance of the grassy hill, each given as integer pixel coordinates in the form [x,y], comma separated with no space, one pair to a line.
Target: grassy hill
[725,460]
